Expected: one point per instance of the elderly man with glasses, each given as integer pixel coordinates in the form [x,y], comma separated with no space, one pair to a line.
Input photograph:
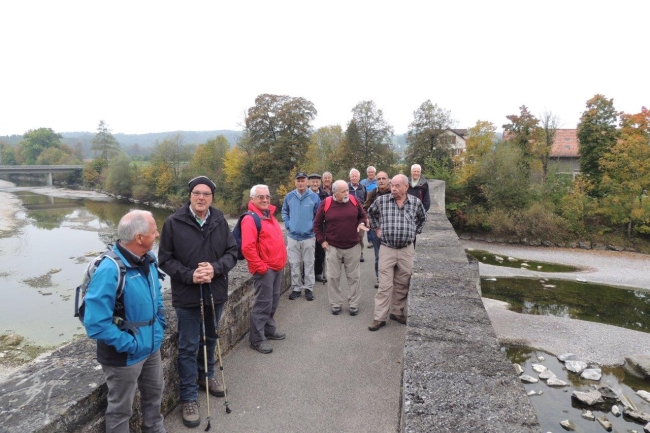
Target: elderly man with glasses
[197,250]
[266,255]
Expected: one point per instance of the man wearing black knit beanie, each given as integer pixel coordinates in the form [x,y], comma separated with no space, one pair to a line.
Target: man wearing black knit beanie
[197,250]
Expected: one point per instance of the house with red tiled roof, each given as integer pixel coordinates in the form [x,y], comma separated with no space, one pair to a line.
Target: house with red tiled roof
[565,149]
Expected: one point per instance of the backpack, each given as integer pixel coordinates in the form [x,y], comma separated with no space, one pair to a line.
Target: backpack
[328,202]
[236,231]
[82,289]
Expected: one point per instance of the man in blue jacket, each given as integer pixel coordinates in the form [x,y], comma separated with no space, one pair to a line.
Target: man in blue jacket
[298,210]
[129,356]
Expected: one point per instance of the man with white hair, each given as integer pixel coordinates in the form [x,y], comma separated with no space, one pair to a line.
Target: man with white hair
[419,187]
[370,182]
[337,225]
[128,358]
[358,191]
[266,255]
[396,218]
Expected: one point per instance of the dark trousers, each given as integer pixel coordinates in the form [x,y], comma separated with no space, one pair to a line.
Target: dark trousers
[191,364]
[320,259]
[267,297]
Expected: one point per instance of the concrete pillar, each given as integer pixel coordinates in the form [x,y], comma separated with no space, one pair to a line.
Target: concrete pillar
[49,179]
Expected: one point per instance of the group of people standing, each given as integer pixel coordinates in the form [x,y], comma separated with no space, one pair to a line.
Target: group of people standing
[325,222]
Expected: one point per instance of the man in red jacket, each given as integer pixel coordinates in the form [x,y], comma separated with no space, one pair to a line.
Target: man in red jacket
[337,230]
[266,255]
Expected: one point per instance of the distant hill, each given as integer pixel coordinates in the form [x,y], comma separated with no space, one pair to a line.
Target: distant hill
[143,141]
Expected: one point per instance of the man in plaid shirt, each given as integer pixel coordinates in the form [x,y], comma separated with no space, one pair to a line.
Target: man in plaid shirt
[396,218]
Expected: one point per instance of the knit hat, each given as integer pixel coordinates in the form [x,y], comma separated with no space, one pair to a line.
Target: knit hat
[202,180]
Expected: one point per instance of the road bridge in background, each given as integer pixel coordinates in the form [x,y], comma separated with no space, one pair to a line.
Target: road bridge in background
[38,169]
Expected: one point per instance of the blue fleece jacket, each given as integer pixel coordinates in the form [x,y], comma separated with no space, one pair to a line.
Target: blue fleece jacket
[142,303]
[298,214]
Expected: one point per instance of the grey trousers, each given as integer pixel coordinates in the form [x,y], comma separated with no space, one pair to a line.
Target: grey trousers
[267,297]
[300,252]
[147,376]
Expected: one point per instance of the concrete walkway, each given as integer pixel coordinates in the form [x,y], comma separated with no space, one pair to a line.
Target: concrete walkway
[329,375]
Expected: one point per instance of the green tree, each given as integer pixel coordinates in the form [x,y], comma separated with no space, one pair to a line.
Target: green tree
[425,135]
[278,130]
[170,155]
[597,135]
[119,176]
[7,155]
[503,179]
[626,174]
[104,144]
[36,141]
[549,124]
[525,133]
[369,138]
[208,158]
[481,139]
[326,151]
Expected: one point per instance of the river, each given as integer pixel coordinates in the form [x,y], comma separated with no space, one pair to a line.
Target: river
[47,237]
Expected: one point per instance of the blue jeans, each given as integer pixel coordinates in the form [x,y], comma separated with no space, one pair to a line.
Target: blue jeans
[376,242]
[190,348]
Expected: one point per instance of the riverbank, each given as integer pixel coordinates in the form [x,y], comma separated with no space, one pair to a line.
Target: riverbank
[10,207]
[596,342]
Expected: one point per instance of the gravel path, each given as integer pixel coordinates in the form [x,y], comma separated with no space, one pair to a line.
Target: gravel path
[595,342]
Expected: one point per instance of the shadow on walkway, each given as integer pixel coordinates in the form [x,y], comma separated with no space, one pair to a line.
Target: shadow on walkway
[329,375]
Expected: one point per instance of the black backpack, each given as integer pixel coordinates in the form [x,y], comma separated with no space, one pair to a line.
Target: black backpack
[236,231]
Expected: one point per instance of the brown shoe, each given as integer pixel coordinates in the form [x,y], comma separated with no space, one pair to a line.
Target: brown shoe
[191,416]
[399,319]
[376,324]
[214,386]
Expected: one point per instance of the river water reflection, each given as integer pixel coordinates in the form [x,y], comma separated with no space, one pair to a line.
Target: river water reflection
[43,262]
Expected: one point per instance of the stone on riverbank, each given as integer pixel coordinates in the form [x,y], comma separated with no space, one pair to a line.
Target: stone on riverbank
[644,395]
[638,365]
[642,417]
[546,375]
[588,415]
[518,369]
[592,374]
[604,422]
[568,425]
[589,398]
[528,379]
[555,382]
[575,366]
[539,368]
[566,357]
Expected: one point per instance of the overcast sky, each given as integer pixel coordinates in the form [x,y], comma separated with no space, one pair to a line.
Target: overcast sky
[198,65]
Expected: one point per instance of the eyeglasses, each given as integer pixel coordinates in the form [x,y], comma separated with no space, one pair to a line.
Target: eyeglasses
[202,194]
[262,197]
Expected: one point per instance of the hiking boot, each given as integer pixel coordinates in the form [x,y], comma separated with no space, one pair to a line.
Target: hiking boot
[309,295]
[191,416]
[320,278]
[375,325]
[294,295]
[354,311]
[369,246]
[377,284]
[263,347]
[336,310]
[361,259]
[214,387]
[276,336]
[399,319]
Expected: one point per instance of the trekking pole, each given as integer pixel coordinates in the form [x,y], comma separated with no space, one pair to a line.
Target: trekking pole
[205,357]
[223,378]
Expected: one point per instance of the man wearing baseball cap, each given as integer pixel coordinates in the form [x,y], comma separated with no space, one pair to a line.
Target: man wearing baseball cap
[298,210]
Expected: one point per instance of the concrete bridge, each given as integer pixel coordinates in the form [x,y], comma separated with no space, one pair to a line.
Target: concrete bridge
[442,372]
[46,169]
